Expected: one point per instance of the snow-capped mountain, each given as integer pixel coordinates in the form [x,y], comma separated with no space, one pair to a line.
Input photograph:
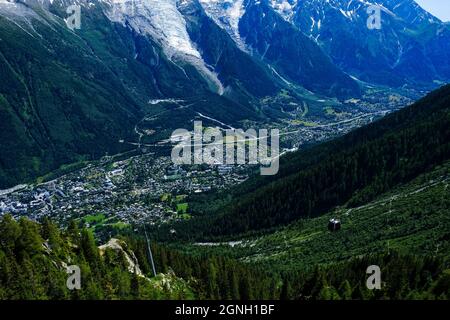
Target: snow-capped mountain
[285,8]
[227,14]
[157,18]
[173,26]
[293,59]
[318,43]
[410,45]
[69,94]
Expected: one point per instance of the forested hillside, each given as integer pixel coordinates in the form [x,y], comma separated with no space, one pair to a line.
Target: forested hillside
[34,257]
[70,96]
[411,219]
[33,268]
[404,231]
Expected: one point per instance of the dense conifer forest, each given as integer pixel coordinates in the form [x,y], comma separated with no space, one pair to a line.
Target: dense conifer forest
[33,258]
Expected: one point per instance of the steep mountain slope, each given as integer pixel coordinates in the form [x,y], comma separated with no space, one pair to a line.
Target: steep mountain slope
[195,32]
[66,96]
[411,46]
[293,58]
[57,99]
[35,260]
[404,231]
[238,71]
[162,21]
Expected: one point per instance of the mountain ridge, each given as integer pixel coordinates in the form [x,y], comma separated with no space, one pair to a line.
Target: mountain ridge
[70,96]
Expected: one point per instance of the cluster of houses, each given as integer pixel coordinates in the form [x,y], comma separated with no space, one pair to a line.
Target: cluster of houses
[120,189]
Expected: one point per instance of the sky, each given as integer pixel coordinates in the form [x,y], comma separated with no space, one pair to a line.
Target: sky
[438,8]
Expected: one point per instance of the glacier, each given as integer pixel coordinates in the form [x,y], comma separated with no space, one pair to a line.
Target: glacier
[285,8]
[227,14]
[163,22]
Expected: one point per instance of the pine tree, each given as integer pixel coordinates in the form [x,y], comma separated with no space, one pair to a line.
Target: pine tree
[30,241]
[10,233]
[51,233]
[135,286]
[345,290]
[285,290]
[234,286]
[213,288]
[90,250]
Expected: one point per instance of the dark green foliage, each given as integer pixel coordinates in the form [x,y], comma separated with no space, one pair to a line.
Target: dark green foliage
[403,277]
[31,268]
[57,105]
[213,277]
[412,218]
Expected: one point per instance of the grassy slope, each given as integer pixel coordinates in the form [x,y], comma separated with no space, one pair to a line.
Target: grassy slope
[413,218]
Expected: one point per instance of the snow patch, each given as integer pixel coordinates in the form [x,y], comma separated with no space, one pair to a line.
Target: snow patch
[285,8]
[227,14]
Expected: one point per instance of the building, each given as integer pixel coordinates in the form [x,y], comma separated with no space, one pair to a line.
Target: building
[334,225]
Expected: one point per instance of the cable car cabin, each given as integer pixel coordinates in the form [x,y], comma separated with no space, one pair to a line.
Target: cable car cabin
[334,225]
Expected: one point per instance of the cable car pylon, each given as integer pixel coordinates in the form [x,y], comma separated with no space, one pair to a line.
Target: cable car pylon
[150,252]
